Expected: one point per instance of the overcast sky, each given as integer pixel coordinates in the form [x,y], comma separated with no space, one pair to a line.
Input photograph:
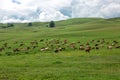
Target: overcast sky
[47,10]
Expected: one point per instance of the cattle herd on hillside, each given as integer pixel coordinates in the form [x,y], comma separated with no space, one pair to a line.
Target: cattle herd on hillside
[56,46]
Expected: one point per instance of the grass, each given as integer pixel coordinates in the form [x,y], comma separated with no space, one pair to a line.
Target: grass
[66,65]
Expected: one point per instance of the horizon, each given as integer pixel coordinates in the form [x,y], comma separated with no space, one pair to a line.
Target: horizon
[60,20]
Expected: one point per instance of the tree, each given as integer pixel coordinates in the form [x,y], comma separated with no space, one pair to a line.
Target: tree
[30,24]
[52,24]
[10,25]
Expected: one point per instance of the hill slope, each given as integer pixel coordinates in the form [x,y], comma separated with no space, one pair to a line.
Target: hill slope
[70,64]
[71,29]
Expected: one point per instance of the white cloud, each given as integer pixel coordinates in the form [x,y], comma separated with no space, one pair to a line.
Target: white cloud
[55,15]
[112,10]
[96,8]
[32,10]
[46,10]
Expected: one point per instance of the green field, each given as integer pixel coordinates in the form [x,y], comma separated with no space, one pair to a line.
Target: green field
[69,64]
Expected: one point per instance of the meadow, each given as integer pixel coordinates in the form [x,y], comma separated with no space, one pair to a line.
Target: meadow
[102,64]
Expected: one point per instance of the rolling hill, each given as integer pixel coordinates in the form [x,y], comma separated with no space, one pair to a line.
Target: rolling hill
[102,64]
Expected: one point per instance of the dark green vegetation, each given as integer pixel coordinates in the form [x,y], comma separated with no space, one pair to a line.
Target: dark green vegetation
[100,64]
[52,24]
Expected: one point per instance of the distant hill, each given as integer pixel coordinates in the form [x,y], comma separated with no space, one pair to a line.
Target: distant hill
[73,21]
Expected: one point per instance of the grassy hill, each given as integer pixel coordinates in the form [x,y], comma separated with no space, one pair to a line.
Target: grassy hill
[100,64]
[66,29]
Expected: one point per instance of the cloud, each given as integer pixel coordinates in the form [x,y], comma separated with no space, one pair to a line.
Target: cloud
[15,1]
[96,8]
[55,15]
[47,10]
[32,10]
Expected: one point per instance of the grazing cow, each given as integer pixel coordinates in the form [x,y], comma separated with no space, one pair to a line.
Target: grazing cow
[117,47]
[23,49]
[96,47]
[65,41]
[22,44]
[92,41]
[34,43]
[16,50]
[59,49]
[87,49]
[5,44]
[52,46]
[1,49]
[44,49]
[102,41]
[101,45]
[28,48]
[47,48]
[107,43]
[87,44]
[33,47]
[115,42]
[110,47]
[72,45]
[98,40]
[63,48]
[81,47]
[56,50]
[93,48]
[41,40]
[57,45]
[78,42]
[9,47]
[96,44]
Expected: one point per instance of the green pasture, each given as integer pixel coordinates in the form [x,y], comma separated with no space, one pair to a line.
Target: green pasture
[100,64]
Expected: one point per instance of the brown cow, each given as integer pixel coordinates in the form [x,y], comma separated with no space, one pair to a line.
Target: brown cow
[81,47]
[110,47]
[87,49]
[1,49]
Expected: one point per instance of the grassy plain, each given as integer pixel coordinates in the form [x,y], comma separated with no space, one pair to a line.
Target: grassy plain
[67,65]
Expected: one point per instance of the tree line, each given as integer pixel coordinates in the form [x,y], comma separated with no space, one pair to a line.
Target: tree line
[51,24]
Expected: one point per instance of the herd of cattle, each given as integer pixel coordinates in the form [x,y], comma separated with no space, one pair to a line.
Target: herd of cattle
[56,45]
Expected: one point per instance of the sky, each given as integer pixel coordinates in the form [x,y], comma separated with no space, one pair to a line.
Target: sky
[47,10]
